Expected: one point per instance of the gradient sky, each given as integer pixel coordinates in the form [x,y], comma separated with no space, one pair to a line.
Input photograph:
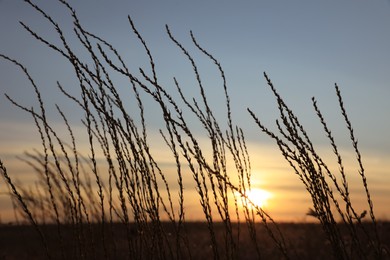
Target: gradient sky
[304,46]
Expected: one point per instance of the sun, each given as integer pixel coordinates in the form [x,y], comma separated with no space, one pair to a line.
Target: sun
[259,197]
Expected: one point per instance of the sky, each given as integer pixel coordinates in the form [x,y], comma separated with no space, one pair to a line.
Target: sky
[304,46]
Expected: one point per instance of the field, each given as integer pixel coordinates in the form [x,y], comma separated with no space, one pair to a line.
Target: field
[306,241]
[119,180]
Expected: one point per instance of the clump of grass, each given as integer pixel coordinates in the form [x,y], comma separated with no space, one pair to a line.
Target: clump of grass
[329,191]
[130,186]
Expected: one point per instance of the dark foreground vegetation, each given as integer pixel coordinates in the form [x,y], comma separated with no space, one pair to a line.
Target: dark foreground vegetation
[118,201]
[307,239]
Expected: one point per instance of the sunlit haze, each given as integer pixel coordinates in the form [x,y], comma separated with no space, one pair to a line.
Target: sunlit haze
[259,197]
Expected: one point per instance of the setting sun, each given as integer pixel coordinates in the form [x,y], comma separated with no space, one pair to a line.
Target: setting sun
[259,197]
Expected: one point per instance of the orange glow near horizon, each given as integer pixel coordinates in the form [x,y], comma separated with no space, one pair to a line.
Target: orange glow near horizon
[259,197]
[275,187]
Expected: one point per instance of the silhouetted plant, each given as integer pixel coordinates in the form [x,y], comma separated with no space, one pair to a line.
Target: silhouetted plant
[297,148]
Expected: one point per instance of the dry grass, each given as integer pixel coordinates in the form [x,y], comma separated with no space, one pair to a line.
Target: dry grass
[127,207]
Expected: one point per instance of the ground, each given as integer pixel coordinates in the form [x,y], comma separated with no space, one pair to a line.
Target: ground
[305,240]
